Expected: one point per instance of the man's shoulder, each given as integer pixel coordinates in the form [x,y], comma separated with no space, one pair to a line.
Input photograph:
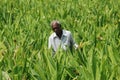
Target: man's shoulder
[67,32]
[52,36]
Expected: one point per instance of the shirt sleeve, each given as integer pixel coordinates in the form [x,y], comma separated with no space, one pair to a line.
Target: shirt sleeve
[73,42]
[49,43]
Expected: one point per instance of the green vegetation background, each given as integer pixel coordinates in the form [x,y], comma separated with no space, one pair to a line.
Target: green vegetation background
[24,32]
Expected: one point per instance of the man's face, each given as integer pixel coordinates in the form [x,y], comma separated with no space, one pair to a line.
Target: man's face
[56,28]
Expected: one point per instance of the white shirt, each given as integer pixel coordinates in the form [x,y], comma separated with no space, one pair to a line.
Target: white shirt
[66,41]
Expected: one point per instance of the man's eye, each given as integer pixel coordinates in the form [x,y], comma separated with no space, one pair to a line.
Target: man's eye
[56,28]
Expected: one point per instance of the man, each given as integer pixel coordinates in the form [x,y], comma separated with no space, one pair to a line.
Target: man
[60,38]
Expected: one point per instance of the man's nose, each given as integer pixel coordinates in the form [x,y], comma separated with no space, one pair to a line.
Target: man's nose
[55,30]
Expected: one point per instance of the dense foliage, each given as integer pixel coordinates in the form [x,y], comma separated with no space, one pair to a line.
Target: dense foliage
[24,32]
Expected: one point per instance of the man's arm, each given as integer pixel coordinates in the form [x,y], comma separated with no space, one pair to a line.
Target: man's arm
[49,43]
[73,42]
[50,46]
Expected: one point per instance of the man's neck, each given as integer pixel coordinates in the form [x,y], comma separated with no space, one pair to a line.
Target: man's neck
[60,34]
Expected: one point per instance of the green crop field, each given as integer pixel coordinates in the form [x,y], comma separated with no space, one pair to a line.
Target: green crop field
[25,28]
